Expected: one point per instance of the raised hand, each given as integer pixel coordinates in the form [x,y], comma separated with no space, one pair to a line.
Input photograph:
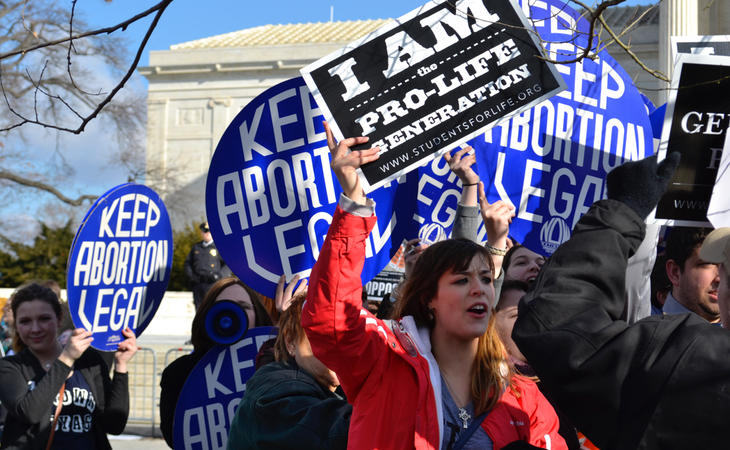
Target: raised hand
[497,218]
[461,164]
[413,250]
[640,184]
[125,350]
[346,162]
[283,297]
[77,343]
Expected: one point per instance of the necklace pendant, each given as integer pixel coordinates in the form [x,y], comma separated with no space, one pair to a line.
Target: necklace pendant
[465,417]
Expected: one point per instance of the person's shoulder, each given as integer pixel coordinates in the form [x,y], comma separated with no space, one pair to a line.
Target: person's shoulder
[281,376]
[23,357]
[196,248]
[16,359]
[182,365]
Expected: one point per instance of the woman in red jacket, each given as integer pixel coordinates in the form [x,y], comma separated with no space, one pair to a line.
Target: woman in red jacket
[435,378]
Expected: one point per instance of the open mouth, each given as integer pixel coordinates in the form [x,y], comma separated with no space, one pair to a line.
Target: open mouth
[478,309]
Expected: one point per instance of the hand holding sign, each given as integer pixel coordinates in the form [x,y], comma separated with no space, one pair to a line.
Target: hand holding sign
[640,184]
[77,344]
[346,162]
[126,349]
[119,264]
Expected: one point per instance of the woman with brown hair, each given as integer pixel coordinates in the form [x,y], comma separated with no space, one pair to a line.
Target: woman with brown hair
[436,377]
[44,371]
[174,376]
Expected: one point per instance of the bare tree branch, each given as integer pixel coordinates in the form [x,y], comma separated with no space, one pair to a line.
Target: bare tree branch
[633,56]
[23,118]
[15,178]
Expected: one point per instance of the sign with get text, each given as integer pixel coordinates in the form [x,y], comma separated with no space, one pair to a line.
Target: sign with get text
[119,264]
[698,114]
[270,192]
[551,161]
[431,80]
[211,394]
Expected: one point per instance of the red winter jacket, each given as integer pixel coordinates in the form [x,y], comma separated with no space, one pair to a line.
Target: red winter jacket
[387,369]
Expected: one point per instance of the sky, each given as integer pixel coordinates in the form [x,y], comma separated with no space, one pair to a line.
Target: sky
[184,20]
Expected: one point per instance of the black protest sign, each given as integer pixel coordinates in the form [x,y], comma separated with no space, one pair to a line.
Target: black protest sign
[431,80]
[383,283]
[698,114]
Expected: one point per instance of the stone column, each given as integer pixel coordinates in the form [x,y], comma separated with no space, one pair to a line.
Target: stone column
[718,16]
[156,154]
[676,18]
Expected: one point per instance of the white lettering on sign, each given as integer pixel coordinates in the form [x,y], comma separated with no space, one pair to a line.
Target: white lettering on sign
[115,309]
[404,52]
[211,424]
[136,214]
[463,74]
[120,263]
[206,426]
[306,115]
[255,195]
[705,123]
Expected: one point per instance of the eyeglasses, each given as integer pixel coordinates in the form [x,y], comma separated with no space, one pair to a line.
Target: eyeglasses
[205,230]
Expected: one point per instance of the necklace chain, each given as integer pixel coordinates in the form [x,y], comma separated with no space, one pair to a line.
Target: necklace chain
[463,413]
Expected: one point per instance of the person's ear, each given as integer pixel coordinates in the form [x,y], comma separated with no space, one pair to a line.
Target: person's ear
[674,271]
[290,348]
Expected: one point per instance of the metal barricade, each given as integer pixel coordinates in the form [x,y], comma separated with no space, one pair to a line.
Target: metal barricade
[174,353]
[143,388]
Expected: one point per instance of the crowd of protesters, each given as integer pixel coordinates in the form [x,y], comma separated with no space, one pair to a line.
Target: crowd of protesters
[496,346]
[480,347]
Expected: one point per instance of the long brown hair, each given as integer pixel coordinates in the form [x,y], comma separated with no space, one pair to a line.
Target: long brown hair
[199,338]
[490,372]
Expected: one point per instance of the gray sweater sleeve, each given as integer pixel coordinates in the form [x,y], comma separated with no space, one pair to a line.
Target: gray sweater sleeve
[466,223]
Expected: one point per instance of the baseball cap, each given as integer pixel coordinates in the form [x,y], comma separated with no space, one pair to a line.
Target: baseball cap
[716,248]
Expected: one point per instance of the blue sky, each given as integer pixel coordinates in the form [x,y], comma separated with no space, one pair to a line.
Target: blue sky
[186,20]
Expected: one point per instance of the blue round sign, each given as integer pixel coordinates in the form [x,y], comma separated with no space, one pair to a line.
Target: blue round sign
[551,161]
[119,264]
[209,399]
[270,192]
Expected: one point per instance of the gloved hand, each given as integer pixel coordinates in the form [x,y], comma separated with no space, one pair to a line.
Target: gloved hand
[640,184]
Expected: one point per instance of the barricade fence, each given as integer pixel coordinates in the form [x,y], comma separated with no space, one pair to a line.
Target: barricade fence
[145,370]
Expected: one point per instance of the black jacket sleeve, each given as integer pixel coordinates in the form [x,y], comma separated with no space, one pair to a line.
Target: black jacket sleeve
[112,394]
[171,385]
[117,406]
[623,386]
[29,398]
[188,267]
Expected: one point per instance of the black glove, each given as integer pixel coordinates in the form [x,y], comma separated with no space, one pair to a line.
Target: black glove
[640,184]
